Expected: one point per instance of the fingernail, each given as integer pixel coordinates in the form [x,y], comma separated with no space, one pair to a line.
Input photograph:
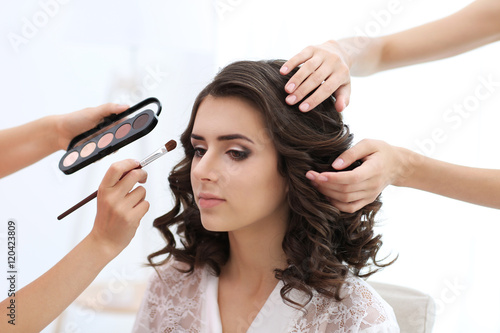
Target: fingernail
[121,106]
[284,69]
[290,87]
[322,178]
[338,163]
[310,176]
[304,107]
[291,99]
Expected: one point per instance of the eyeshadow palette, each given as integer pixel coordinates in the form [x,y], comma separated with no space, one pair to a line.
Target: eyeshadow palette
[110,135]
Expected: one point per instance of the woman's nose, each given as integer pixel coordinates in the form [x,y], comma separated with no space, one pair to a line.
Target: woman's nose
[205,168]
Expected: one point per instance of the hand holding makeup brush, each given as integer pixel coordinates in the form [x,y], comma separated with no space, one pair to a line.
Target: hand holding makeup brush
[119,206]
[120,209]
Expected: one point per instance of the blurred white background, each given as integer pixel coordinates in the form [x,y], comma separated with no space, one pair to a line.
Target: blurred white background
[59,56]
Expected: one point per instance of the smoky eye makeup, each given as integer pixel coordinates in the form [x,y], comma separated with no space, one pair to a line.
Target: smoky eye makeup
[112,134]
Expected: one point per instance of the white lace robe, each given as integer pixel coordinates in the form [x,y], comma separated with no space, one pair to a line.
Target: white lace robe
[178,302]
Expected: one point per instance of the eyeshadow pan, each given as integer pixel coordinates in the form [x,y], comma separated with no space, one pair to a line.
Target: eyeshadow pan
[105,140]
[111,134]
[70,159]
[88,149]
[141,121]
[123,130]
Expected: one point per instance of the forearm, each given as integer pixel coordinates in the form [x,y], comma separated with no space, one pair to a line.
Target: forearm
[27,144]
[40,302]
[474,185]
[467,29]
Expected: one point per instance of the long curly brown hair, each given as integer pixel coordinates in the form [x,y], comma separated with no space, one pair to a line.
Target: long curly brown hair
[321,244]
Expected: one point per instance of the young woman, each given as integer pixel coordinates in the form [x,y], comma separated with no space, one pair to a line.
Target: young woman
[261,249]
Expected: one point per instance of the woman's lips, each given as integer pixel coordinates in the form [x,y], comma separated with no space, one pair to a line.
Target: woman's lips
[209,201]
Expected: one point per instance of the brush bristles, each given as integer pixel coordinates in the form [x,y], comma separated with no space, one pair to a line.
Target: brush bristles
[171,145]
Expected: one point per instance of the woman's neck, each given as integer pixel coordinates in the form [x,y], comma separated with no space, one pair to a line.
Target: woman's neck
[255,254]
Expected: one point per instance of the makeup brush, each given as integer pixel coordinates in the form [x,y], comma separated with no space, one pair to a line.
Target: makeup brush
[158,153]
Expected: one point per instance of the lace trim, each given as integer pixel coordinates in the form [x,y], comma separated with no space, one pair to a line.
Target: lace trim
[361,309]
[173,303]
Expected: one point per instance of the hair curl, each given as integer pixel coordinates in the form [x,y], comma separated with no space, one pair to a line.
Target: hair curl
[321,244]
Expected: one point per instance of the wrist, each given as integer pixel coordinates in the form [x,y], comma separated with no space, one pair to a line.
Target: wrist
[409,163]
[106,249]
[51,132]
[345,47]
[62,141]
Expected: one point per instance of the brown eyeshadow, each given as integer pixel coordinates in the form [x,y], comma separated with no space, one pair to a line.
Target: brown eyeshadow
[141,121]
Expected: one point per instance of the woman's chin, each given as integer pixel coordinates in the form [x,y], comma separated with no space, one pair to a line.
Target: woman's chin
[215,226]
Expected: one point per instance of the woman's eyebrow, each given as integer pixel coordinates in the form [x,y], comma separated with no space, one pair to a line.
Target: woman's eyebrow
[233,137]
[227,137]
[197,137]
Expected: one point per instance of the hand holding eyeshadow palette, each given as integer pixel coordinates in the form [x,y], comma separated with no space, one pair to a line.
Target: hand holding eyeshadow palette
[110,135]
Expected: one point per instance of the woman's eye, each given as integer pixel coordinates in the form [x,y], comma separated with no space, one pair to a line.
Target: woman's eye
[199,152]
[238,155]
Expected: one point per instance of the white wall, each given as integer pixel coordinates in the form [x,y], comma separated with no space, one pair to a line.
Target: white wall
[91,52]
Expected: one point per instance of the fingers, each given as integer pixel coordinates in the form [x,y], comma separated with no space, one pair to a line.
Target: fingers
[342,97]
[349,198]
[116,171]
[317,79]
[325,90]
[71,124]
[310,68]
[128,181]
[120,206]
[120,179]
[350,190]
[324,81]
[350,207]
[296,60]
[105,110]
[359,151]
[348,181]
[136,199]
[323,68]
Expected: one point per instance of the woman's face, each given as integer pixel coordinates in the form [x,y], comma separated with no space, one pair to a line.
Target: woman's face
[234,172]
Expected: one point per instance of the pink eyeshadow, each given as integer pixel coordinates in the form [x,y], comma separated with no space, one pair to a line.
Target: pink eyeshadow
[105,140]
[123,130]
[70,159]
[88,149]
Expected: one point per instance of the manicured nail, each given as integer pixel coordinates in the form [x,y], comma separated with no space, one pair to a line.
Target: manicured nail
[290,87]
[310,176]
[284,69]
[121,106]
[304,107]
[338,163]
[291,99]
[322,178]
